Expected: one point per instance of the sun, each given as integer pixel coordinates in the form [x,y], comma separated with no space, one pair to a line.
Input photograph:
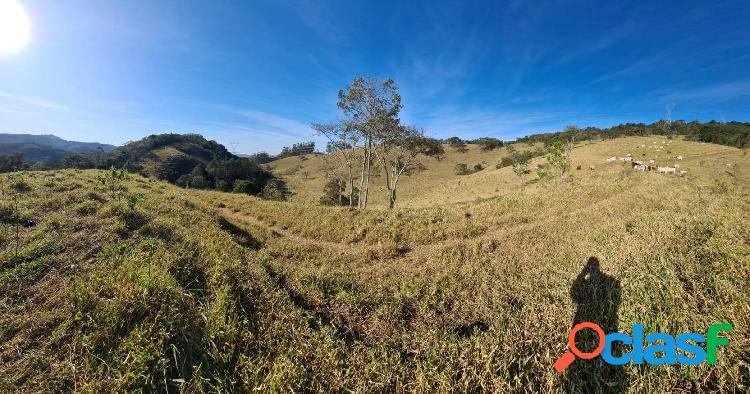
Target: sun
[14,26]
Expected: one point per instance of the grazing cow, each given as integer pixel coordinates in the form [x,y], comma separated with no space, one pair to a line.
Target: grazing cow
[666,170]
[611,159]
[638,166]
[679,157]
[591,168]
[683,172]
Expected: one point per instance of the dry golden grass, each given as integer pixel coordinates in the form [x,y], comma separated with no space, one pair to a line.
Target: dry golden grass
[439,185]
[467,288]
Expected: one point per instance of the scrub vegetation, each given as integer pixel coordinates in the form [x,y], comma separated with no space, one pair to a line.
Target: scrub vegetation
[113,282]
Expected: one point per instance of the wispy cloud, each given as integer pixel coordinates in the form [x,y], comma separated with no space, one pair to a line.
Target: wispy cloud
[603,42]
[320,17]
[34,101]
[478,123]
[11,110]
[710,93]
[643,65]
[276,124]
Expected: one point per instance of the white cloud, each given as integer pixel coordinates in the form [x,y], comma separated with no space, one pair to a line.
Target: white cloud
[271,123]
[479,123]
[34,101]
[711,93]
[12,110]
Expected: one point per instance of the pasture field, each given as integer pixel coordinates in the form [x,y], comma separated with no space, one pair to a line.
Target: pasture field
[471,284]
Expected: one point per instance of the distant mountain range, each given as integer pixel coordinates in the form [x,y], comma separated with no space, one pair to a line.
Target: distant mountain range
[45,148]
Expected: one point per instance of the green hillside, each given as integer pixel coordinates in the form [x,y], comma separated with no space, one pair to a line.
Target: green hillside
[189,160]
[154,155]
[470,284]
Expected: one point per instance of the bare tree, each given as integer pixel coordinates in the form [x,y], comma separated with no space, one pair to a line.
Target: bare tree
[342,148]
[399,151]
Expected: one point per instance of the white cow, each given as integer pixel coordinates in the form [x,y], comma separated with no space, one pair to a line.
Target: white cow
[611,159]
[666,170]
[679,157]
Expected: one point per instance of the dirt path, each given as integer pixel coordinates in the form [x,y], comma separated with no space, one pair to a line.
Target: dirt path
[280,232]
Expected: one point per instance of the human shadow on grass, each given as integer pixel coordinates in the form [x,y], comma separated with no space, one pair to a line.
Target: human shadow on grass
[597,297]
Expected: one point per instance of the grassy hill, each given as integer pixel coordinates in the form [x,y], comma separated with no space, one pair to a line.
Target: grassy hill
[473,287]
[438,184]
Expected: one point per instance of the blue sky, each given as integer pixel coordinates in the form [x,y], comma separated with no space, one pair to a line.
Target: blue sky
[258,72]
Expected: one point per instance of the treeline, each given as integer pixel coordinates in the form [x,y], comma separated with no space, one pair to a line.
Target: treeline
[368,134]
[485,143]
[735,134]
[12,162]
[237,175]
[300,149]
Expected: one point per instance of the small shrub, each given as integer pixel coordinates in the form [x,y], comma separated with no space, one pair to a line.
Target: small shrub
[461,169]
[504,162]
[489,143]
[243,186]
[21,186]
[276,190]
[542,171]
[113,182]
[134,199]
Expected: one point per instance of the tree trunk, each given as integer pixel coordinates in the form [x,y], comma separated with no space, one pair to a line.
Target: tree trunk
[387,173]
[340,193]
[362,180]
[368,170]
[351,185]
[392,189]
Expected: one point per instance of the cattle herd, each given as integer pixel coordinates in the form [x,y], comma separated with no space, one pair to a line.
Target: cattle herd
[651,166]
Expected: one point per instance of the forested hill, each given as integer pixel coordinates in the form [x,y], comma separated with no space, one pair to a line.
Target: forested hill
[158,148]
[53,141]
[45,148]
[736,134]
[189,160]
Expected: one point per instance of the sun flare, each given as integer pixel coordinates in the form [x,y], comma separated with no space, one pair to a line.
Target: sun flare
[14,26]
